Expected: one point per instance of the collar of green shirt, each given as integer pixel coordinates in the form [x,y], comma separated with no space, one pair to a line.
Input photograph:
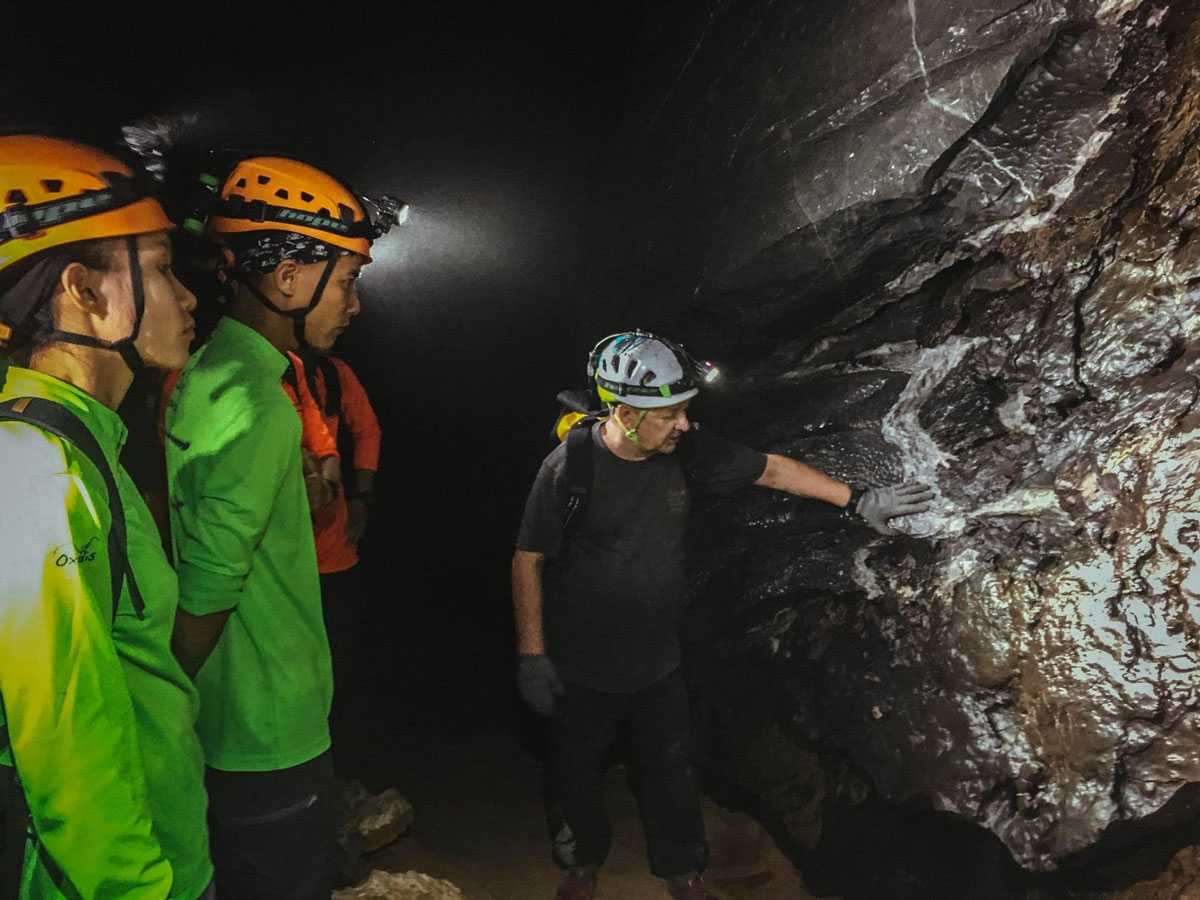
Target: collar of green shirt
[105,425]
[251,347]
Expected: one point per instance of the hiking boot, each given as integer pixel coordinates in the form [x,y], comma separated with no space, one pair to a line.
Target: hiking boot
[691,888]
[577,885]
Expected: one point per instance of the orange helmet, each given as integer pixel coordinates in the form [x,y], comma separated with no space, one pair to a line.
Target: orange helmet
[55,192]
[272,193]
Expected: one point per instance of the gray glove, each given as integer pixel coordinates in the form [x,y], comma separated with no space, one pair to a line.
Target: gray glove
[538,683]
[878,504]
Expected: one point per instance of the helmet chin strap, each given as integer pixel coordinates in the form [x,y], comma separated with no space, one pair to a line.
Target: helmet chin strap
[297,316]
[125,346]
[631,434]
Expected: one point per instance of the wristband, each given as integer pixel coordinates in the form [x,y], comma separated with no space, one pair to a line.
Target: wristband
[850,510]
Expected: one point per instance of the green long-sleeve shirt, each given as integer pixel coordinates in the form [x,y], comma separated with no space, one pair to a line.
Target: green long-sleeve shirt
[100,716]
[243,537]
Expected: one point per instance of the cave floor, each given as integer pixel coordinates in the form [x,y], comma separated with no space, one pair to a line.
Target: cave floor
[479,823]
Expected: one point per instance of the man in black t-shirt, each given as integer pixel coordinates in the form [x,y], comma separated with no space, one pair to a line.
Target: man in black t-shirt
[598,582]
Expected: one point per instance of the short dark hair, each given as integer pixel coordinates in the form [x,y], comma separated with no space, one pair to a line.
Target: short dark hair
[98,254]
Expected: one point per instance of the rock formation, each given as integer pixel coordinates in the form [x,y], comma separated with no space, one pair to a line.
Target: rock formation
[952,242]
[401,886]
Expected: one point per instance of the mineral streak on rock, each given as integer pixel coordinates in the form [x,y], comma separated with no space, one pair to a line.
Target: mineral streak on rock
[955,242]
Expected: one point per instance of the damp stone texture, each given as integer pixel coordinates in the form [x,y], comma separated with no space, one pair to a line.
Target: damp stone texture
[953,242]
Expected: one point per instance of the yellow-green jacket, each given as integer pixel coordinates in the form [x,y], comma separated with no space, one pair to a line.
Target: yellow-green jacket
[100,718]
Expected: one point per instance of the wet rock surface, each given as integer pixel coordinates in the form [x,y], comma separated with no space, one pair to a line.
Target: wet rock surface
[952,242]
[401,886]
[1179,881]
[368,823]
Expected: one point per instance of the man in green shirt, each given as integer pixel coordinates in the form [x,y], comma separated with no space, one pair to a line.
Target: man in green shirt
[250,627]
[101,773]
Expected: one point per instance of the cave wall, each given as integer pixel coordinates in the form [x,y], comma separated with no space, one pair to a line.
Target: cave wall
[953,242]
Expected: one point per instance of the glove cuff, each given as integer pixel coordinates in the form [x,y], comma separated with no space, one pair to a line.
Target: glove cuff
[850,510]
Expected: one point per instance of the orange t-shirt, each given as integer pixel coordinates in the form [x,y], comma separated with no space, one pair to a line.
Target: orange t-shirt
[335,552]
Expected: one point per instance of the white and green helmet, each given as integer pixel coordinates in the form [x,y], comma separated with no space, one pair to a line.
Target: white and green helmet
[645,371]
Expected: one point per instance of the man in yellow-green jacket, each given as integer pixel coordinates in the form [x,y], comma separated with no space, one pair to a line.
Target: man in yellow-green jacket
[101,769]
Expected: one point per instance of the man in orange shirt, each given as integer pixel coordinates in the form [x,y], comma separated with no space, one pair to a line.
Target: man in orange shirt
[349,423]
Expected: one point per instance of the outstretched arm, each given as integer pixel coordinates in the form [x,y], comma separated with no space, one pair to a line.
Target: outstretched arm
[876,506]
[794,477]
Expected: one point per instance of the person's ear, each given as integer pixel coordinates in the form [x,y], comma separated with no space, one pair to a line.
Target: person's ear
[285,277]
[79,288]
[223,267]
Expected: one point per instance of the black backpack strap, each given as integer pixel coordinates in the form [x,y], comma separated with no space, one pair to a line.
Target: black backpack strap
[578,470]
[333,386]
[61,422]
[14,829]
[289,375]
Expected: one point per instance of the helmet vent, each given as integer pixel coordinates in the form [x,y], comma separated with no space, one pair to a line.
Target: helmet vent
[629,368]
[345,213]
[307,197]
[322,211]
[282,193]
[52,185]
[264,179]
[241,182]
[16,196]
[647,378]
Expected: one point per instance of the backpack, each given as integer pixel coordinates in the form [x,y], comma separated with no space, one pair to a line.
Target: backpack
[578,469]
[573,427]
[14,828]
[61,422]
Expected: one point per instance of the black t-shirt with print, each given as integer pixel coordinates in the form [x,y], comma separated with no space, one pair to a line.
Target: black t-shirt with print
[614,587]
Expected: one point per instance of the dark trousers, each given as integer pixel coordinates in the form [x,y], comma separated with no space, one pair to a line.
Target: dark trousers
[585,726]
[273,833]
[343,605]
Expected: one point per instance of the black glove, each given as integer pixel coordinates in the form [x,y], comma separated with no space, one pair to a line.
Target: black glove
[878,504]
[538,683]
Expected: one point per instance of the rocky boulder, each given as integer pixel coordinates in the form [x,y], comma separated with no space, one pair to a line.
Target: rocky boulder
[401,886]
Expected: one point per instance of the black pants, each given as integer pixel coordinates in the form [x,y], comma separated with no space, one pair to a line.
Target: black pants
[342,600]
[273,833]
[585,726]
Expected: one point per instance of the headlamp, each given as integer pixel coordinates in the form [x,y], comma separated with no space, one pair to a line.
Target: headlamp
[384,213]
